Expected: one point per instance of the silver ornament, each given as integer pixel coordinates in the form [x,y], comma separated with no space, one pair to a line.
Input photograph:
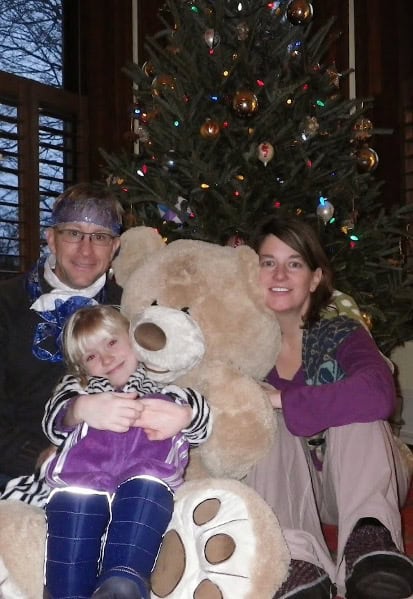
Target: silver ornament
[325,210]
[212,38]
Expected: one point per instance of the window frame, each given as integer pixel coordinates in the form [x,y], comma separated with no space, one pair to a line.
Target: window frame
[32,98]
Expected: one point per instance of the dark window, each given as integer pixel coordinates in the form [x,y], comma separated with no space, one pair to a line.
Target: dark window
[31,39]
[41,127]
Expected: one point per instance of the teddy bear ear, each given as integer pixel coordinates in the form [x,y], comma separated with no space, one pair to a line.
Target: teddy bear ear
[249,261]
[135,245]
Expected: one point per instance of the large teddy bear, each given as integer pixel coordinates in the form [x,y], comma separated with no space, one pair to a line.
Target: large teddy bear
[223,540]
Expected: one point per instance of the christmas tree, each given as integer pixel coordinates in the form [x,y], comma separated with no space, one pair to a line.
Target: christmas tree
[240,112]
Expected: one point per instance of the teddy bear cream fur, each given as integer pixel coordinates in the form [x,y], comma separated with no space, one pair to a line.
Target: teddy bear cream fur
[236,550]
[223,540]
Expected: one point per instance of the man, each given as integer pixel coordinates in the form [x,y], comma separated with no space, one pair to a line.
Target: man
[83,239]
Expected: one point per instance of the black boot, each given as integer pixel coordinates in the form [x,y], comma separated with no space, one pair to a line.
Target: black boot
[375,568]
[141,510]
[76,520]
[305,581]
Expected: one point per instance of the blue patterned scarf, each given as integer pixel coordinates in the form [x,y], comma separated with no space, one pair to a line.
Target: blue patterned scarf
[54,320]
[320,344]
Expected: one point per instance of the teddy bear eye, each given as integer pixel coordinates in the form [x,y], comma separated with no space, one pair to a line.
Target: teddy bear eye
[154,303]
[186,310]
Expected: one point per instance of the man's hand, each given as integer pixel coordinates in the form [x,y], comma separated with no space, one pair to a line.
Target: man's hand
[162,419]
[108,411]
[45,455]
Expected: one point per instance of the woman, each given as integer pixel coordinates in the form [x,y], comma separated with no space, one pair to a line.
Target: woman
[335,459]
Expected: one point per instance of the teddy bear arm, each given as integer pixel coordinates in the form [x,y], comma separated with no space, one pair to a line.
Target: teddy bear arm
[243,428]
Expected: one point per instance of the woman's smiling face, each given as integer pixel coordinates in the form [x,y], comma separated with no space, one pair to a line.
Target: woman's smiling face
[286,278]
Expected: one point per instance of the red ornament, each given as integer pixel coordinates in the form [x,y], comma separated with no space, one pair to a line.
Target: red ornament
[235,241]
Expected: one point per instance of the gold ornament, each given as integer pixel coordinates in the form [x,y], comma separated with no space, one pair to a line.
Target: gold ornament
[114,180]
[142,133]
[161,83]
[242,31]
[309,128]
[368,319]
[210,129]
[299,12]
[148,69]
[295,50]
[333,75]
[148,117]
[169,161]
[245,103]
[362,129]
[130,219]
[367,159]
[347,225]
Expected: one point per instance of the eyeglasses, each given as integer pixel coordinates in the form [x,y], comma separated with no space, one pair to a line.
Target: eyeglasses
[75,236]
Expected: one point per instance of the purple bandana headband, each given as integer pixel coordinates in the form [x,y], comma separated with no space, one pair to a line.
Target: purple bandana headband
[96,211]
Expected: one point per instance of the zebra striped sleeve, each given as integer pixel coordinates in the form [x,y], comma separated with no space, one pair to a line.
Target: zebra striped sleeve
[201,424]
[31,489]
[67,388]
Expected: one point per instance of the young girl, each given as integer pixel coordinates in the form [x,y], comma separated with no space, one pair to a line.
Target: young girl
[116,468]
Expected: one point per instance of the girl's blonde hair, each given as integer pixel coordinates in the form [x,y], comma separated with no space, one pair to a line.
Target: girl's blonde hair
[80,330]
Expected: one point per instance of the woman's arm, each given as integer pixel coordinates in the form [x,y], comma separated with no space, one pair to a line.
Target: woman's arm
[365,394]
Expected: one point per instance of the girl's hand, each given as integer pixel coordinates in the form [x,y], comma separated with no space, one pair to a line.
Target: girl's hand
[162,419]
[109,411]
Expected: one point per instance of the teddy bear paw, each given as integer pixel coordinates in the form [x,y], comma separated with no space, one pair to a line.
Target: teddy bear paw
[213,548]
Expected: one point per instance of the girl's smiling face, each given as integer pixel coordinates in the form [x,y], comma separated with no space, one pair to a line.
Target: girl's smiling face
[110,356]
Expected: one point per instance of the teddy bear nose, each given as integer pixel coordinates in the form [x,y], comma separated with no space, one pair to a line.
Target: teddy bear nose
[149,336]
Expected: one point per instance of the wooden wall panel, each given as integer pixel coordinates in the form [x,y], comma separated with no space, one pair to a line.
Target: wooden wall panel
[384,69]
[378,76]
[105,38]
[337,10]
[148,22]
